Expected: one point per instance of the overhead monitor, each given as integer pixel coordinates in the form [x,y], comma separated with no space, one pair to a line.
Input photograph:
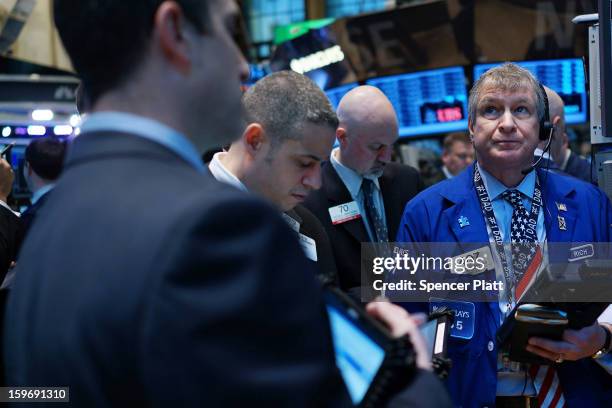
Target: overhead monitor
[336,94]
[427,102]
[564,76]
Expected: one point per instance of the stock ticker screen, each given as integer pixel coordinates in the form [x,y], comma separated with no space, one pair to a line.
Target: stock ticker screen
[427,102]
[564,76]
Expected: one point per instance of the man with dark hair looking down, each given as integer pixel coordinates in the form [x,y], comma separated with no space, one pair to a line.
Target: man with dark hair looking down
[290,130]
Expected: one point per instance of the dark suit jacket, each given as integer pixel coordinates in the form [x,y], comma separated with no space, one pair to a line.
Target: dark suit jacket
[578,167]
[398,184]
[10,239]
[148,283]
[28,216]
[312,228]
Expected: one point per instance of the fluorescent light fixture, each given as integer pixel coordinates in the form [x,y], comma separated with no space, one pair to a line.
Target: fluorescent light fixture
[62,130]
[42,115]
[6,131]
[75,120]
[36,130]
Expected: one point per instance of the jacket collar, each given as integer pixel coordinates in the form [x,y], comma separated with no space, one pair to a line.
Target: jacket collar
[462,201]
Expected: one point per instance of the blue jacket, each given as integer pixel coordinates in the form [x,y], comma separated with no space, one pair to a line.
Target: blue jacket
[432,216]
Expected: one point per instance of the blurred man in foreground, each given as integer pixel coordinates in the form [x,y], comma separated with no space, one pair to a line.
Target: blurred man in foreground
[148,280]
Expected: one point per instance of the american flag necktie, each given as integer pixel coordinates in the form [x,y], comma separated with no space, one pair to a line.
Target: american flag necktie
[526,259]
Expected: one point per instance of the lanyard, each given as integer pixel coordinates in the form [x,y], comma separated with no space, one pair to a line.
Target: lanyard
[487,209]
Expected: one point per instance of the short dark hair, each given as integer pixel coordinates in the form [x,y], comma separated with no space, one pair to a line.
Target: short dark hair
[285,101]
[106,39]
[46,157]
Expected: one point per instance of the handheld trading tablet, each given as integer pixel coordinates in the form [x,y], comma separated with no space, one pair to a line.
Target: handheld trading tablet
[373,364]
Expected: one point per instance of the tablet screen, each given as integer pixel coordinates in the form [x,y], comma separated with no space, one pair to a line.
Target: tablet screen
[357,356]
[433,332]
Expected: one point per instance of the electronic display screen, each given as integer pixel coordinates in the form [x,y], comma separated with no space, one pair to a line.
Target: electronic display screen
[336,94]
[433,333]
[427,102]
[428,331]
[17,161]
[564,76]
[358,357]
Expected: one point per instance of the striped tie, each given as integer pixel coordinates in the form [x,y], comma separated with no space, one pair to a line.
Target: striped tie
[547,385]
[527,257]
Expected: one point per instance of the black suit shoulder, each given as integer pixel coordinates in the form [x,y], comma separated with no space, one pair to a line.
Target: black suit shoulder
[28,217]
[578,167]
[399,184]
[10,239]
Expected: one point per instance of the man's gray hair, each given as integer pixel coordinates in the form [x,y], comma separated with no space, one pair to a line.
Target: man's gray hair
[506,77]
[284,102]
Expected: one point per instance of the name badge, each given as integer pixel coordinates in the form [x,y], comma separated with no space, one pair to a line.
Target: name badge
[474,262]
[344,212]
[309,246]
[463,326]
[581,252]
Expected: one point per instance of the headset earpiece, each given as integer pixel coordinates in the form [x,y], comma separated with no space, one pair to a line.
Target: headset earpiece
[545,124]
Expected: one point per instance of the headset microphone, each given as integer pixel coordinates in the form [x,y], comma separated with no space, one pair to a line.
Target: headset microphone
[537,162]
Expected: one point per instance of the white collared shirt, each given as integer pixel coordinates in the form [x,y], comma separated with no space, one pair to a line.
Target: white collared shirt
[353,181]
[222,174]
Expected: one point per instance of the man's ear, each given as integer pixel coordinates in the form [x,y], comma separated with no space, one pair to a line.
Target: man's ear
[254,138]
[169,27]
[471,130]
[341,136]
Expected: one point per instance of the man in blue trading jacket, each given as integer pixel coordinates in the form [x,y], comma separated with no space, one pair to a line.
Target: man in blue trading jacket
[506,108]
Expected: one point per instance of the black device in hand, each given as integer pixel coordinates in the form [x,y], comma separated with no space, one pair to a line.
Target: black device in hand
[531,320]
[436,333]
[559,306]
[5,153]
[373,364]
